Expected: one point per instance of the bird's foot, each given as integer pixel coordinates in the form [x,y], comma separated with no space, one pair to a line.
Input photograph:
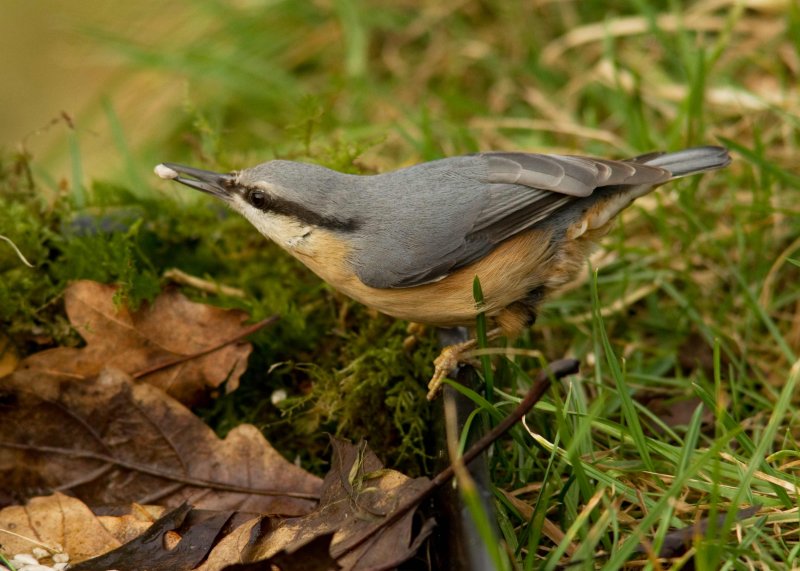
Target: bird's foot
[446,363]
[414,332]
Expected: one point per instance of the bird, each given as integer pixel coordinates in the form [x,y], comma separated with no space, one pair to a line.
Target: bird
[410,242]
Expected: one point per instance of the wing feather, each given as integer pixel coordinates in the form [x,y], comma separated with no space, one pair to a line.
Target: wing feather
[525,188]
[497,195]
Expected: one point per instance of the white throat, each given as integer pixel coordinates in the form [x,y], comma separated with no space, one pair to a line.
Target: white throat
[284,231]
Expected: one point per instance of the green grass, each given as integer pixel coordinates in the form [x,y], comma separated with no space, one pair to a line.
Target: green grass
[693,298]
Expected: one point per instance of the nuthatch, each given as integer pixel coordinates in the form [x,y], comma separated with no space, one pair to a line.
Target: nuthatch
[409,243]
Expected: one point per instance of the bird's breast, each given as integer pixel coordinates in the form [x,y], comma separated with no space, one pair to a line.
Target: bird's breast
[530,260]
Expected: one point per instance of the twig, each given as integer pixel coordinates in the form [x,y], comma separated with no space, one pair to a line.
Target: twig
[52,550]
[19,254]
[181,277]
[250,329]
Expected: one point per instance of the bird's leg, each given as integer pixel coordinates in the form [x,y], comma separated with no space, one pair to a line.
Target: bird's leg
[450,357]
[414,332]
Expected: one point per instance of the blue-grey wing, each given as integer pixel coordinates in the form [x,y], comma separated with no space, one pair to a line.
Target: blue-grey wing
[480,200]
[525,189]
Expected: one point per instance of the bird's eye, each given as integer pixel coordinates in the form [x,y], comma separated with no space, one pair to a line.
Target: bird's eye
[257,198]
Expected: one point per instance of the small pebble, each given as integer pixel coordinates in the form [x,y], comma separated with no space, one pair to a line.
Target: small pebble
[21,559]
[40,553]
[61,558]
[60,566]
[34,567]
[278,396]
[165,172]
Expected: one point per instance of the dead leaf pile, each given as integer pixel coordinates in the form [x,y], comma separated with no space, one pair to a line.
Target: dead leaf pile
[85,432]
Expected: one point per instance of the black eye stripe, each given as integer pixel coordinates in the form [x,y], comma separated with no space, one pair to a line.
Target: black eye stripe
[261,199]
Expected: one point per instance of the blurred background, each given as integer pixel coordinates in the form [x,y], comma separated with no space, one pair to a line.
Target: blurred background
[97,90]
[60,72]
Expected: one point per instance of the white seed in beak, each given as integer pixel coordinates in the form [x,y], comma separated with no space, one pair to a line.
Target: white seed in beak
[165,172]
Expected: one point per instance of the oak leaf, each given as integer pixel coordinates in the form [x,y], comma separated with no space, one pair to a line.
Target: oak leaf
[111,441]
[357,498]
[59,523]
[171,330]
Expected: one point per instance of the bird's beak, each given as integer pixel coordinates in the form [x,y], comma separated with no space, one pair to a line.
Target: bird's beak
[217,184]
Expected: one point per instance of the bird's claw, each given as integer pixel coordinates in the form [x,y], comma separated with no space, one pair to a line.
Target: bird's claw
[445,364]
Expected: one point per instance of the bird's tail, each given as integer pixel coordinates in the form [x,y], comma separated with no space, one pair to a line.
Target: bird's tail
[687,161]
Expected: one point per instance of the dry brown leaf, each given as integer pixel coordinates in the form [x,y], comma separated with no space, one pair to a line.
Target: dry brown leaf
[58,523]
[165,331]
[144,537]
[236,547]
[346,531]
[131,523]
[312,556]
[110,440]
[357,495]
[178,541]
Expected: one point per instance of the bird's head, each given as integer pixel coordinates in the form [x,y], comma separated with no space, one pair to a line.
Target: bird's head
[284,200]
